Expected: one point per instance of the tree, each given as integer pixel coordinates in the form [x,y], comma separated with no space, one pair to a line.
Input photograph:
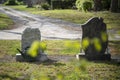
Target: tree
[29,3]
[11,2]
[114,6]
[97,5]
[84,5]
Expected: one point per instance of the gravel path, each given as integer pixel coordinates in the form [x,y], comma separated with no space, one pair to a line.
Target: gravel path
[50,28]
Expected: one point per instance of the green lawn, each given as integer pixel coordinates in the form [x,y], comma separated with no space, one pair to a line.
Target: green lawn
[59,47]
[61,70]
[111,19]
[54,47]
[5,22]
[74,70]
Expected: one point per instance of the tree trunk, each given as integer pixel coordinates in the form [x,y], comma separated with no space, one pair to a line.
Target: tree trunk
[97,5]
[114,6]
[29,3]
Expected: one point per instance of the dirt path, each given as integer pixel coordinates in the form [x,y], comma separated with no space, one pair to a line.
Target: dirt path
[50,28]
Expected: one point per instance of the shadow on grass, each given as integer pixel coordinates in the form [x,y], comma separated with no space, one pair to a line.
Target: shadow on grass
[2,76]
[49,62]
[108,62]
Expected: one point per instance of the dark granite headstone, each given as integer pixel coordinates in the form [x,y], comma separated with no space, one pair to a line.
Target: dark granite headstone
[94,30]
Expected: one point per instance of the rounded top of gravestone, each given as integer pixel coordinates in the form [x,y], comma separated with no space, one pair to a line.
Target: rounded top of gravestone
[31,30]
[29,36]
[93,20]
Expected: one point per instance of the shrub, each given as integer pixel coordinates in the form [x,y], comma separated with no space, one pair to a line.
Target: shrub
[62,4]
[20,2]
[11,2]
[45,6]
[84,5]
[106,4]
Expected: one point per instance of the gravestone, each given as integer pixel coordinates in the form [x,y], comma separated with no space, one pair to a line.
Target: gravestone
[28,37]
[95,33]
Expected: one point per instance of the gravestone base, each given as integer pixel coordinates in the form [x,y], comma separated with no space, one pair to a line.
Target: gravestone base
[99,57]
[41,58]
[19,57]
[94,57]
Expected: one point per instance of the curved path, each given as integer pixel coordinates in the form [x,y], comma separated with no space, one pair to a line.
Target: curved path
[50,28]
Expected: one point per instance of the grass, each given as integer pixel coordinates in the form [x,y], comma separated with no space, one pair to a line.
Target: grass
[59,47]
[72,70]
[5,22]
[8,47]
[59,71]
[54,47]
[63,47]
[111,19]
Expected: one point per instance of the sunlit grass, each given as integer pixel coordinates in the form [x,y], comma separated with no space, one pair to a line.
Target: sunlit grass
[9,47]
[5,22]
[54,47]
[62,47]
[24,8]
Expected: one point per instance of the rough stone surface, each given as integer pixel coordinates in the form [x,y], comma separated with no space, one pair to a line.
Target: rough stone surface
[42,57]
[28,37]
[19,57]
[93,29]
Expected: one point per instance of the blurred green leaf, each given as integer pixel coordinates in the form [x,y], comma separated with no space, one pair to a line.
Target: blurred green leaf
[60,76]
[97,44]
[104,36]
[85,43]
